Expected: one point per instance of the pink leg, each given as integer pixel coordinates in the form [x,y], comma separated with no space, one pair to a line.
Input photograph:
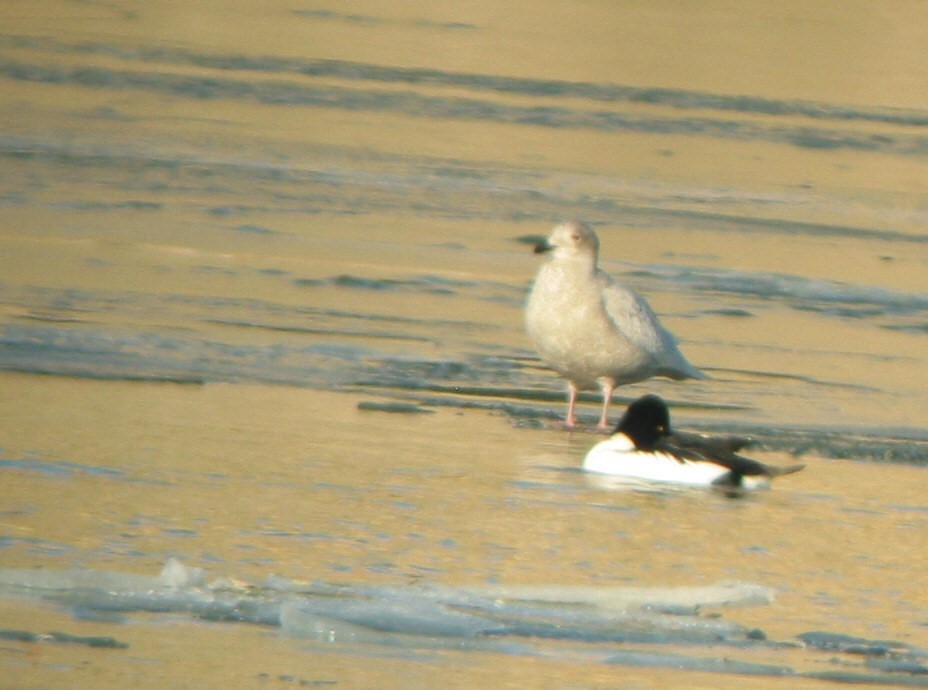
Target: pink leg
[607,388]
[571,420]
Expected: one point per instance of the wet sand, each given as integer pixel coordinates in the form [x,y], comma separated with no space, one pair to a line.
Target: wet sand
[224,229]
[304,485]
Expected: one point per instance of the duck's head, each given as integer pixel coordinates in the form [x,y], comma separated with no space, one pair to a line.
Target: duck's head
[645,422]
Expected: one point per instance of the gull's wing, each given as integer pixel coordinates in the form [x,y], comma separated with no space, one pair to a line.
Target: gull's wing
[633,317]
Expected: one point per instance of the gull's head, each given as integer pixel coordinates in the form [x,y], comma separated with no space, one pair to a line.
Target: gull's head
[571,240]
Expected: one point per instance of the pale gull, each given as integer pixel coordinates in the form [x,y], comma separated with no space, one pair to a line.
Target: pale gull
[590,328]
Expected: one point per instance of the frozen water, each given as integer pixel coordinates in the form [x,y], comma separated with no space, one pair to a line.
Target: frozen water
[511,620]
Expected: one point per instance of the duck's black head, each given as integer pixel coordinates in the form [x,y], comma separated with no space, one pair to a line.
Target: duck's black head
[645,422]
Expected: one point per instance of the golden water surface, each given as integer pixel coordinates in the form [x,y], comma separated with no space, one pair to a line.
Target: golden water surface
[217,474]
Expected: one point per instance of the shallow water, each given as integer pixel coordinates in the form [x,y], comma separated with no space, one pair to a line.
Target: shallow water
[260,310]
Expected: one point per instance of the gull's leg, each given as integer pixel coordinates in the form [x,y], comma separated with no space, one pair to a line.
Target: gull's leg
[607,388]
[571,420]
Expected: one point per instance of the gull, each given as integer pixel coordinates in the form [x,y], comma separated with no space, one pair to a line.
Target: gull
[645,448]
[590,328]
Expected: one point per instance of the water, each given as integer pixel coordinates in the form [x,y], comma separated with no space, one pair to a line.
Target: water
[263,269]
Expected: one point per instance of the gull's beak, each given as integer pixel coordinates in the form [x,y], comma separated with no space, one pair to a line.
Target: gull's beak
[543,246]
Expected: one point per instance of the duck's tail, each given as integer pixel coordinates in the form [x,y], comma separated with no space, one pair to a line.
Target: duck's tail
[774,471]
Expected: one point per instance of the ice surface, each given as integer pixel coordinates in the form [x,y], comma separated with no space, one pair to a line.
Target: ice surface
[601,624]
[323,610]
[624,598]
[176,574]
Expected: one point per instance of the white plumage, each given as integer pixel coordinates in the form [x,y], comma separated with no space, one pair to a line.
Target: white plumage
[617,456]
[645,448]
[590,328]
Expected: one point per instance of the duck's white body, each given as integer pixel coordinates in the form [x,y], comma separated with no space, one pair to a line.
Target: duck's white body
[645,448]
[617,457]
